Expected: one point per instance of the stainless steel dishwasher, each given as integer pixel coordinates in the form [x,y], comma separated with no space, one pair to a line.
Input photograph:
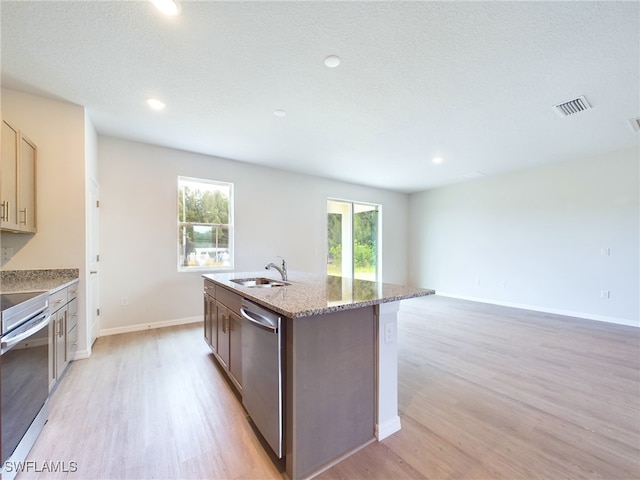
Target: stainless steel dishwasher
[262,382]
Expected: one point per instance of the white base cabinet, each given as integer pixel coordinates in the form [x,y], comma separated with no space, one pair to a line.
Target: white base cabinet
[63,330]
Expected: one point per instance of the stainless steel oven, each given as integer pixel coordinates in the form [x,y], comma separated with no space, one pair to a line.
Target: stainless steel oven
[24,374]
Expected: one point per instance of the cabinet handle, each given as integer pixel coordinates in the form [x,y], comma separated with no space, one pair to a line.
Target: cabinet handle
[25,215]
[5,210]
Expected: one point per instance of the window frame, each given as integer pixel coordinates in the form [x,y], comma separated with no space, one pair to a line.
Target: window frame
[181,180]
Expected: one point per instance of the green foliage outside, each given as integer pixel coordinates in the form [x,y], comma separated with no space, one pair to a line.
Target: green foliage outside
[205,217]
[365,242]
[203,206]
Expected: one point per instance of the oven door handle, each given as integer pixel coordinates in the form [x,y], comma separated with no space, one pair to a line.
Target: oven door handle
[9,343]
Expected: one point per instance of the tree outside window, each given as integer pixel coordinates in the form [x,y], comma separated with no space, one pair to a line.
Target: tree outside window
[353,240]
[205,224]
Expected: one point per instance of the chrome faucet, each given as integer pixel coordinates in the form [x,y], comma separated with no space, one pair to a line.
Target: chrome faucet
[282,270]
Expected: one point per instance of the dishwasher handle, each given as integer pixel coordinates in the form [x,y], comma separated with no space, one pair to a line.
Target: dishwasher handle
[259,320]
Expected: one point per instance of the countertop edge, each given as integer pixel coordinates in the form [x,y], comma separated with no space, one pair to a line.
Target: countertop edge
[307,312]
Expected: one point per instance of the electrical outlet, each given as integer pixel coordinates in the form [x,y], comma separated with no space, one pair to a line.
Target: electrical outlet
[389,332]
[606,294]
[605,252]
[124,301]
[7,253]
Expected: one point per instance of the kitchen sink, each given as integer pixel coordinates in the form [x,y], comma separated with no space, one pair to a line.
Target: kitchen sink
[259,282]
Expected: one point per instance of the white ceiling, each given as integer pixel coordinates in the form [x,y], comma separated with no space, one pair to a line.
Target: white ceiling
[472,82]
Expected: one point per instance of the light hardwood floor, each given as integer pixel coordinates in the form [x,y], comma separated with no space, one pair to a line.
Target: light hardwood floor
[486,392]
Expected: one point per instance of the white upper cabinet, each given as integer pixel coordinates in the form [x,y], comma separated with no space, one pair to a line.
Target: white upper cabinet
[18,184]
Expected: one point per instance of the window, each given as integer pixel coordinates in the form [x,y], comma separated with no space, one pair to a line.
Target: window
[353,240]
[205,224]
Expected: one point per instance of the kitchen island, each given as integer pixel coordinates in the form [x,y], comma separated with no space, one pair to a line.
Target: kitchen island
[339,358]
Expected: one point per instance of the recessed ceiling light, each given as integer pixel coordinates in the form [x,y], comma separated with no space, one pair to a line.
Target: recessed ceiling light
[437,160]
[168,7]
[332,61]
[155,103]
[279,113]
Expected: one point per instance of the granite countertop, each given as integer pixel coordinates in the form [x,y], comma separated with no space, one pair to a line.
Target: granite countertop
[310,294]
[50,280]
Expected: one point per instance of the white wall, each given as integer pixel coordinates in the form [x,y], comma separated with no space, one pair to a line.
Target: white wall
[276,213]
[58,130]
[533,238]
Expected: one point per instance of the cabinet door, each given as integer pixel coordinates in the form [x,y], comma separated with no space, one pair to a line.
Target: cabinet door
[61,345]
[9,178]
[210,324]
[72,329]
[52,351]
[222,316]
[26,186]
[235,348]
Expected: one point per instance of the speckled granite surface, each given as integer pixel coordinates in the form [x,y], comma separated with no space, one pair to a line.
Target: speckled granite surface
[316,294]
[36,280]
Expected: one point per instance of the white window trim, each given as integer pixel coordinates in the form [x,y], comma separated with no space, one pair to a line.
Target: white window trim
[212,269]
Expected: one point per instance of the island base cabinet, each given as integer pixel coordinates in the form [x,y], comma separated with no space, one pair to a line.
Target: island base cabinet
[223,330]
[229,352]
[222,354]
[210,323]
[331,388]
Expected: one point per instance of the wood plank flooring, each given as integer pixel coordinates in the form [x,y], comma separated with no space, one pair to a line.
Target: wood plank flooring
[491,392]
[485,392]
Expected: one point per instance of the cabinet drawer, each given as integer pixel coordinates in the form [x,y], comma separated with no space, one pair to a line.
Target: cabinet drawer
[72,317]
[210,288]
[72,291]
[72,343]
[57,299]
[228,298]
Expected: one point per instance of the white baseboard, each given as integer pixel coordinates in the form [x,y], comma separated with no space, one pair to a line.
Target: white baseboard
[556,311]
[387,428]
[82,354]
[149,326]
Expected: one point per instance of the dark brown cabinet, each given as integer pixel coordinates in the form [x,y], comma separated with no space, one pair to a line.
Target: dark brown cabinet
[223,329]
[210,320]
[223,334]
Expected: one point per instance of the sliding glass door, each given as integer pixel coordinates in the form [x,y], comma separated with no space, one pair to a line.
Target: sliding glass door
[353,240]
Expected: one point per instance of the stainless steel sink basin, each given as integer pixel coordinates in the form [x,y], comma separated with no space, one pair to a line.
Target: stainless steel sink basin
[259,282]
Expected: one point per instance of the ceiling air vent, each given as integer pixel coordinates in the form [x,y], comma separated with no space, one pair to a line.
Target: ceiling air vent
[635,124]
[576,105]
